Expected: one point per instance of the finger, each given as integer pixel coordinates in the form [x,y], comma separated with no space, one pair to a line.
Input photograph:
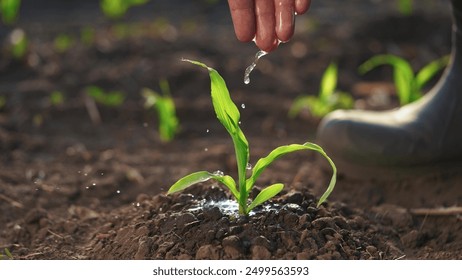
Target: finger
[243,15]
[265,38]
[301,6]
[285,19]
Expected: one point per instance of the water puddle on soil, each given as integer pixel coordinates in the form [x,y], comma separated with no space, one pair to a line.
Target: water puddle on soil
[229,207]
[252,66]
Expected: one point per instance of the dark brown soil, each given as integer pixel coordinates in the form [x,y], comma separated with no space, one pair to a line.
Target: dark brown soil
[74,189]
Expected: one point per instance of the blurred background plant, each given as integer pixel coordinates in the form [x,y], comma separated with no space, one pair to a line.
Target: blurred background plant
[409,86]
[9,9]
[328,99]
[164,105]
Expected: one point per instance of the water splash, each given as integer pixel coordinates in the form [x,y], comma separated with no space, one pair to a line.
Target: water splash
[219,173]
[252,66]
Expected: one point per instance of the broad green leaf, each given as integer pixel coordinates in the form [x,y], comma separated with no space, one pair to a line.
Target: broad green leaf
[228,114]
[203,176]
[403,74]
[430,70]
[265,195]
[261,165]
[328,82]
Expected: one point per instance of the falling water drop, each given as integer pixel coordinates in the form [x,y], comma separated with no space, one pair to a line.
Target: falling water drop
[118,191]
[243,106]
[249,166]
[252,66]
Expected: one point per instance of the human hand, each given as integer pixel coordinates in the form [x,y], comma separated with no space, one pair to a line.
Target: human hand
[268,21]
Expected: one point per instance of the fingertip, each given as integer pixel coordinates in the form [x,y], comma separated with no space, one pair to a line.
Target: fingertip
[267,46]
[302,6]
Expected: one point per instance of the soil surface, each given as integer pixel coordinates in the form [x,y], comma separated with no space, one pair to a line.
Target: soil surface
[77,186]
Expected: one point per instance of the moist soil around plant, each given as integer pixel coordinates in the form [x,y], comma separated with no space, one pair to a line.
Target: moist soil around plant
[75,188]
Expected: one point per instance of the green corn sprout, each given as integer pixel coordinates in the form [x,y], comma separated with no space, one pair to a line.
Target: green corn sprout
[117,8]
[87,35]
[328,99]
[110,99]
[9,10]
[56,98]
[405,7]
[19,43]
[7,255]
[165,107]
[409,86]
[63,42]
[228,114]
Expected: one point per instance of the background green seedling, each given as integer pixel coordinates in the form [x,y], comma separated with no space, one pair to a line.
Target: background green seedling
[2,102]
[117,8]
[9,10]
[109,99]
[63,42]
[409,86]
[164,105]
[328,99]
[405,7]
[56,98]
[228,114]
[7,256]
[19,43]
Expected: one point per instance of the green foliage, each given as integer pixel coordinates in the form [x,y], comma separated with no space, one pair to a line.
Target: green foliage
[9,10]
[405,7]
[165,107]
[19,43]
[56,98]
[115,9]
[228,114]
[63,42]
[7,256]
[109,99]
[328,99]
[409,86]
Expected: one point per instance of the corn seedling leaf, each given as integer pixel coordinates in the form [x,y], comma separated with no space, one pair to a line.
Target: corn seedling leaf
[8,254]
[328,82]
[405,7]
[228,114]
[402,73]
[166,112]
[203,176]
[430,70]
[265,195]
[261,165]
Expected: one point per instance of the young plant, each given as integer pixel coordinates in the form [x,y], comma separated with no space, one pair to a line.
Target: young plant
[56,98]
[328,99]
[228,114]
[165,107]
[19,43]
[63,42]
[405,7]
[9,10]
[109,99]
[7,255]
[409,86]
[117,8]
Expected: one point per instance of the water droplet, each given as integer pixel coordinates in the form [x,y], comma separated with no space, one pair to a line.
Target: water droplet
[208,130]
[118,191]
[85,174]
[243,106]
[94,184]
[138,204]
[249,166]
[252,66]
[87,188]
[102,174]
[218,173]
[206,149]
[239,122]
